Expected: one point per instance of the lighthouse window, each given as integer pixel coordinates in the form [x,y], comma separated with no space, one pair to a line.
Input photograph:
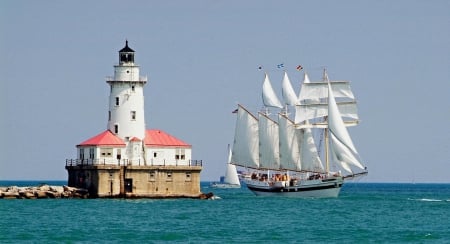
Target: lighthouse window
[116,129]
[180,154]
[132,88]
[91,153]
[117,101]
[151,176]
[133,115]
[81,153]
[188,176]
[106,152]
[109,115]
[169,176]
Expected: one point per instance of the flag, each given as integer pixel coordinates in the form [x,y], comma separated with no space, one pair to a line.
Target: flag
[299,67]
[235,111]
[280,66]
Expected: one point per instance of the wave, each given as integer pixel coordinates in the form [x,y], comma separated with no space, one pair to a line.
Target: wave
[428,200]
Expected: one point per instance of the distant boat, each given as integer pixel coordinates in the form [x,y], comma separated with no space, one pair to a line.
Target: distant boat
[283,153]
[231,179]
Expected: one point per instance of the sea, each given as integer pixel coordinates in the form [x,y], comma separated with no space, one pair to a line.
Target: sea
[363,213]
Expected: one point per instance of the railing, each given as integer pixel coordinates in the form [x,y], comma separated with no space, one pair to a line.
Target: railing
[111,79]
[128,162]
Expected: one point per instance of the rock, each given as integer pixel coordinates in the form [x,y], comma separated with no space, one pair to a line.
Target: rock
[40,194]
[44,188]
[58,189]
[206,196]
[11,194]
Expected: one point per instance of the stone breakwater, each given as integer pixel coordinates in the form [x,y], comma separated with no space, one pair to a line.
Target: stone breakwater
[43,191]
[47,191]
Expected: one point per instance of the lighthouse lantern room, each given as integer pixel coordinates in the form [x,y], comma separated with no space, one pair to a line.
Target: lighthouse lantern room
[128,160]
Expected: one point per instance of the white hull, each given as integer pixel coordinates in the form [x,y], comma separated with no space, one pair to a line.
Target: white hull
[326,188]
[224,185]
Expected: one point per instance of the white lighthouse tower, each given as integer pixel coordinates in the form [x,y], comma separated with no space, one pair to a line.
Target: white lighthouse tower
[126,99]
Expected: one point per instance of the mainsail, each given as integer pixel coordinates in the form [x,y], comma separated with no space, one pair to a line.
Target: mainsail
[309,155]
[268,143]
[246,140]
[289,146]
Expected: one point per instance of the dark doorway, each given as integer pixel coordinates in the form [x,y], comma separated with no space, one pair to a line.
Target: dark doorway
[128,185]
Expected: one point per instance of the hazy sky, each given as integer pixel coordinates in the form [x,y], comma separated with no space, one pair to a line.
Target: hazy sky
[201,58]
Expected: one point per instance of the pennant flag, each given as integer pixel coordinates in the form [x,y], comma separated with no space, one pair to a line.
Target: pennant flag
[299,67]
[280,66]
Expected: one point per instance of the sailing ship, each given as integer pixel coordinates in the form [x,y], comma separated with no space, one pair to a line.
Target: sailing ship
[282,151]
[231,178]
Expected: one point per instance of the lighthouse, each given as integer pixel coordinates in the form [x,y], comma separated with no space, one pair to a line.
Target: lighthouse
[128,160]
[126,118]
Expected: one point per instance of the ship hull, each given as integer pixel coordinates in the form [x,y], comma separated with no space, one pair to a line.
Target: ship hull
[224,185]
[327,188]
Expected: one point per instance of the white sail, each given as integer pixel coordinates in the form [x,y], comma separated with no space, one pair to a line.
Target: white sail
[313,97]
[319,90]
[341,143]
[287,91]
[305,112]
[268,143]
[289,144]
[231,176]
[269,97]
[309,157]
[246,142]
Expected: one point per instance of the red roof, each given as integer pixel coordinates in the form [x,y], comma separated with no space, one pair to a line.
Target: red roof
[135,139]
[106,138]
[160,138]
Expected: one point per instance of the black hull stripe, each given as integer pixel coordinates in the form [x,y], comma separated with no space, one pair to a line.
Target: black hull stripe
[281,189]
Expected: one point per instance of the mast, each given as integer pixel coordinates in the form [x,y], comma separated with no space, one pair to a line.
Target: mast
[327,143]
[327,159]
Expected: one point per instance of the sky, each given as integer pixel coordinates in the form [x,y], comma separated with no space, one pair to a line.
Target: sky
[202,59]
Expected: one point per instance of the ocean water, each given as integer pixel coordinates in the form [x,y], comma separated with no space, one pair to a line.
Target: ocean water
[364,213]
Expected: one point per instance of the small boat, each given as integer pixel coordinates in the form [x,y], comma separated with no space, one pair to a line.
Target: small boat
[283,152]
[231,179]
